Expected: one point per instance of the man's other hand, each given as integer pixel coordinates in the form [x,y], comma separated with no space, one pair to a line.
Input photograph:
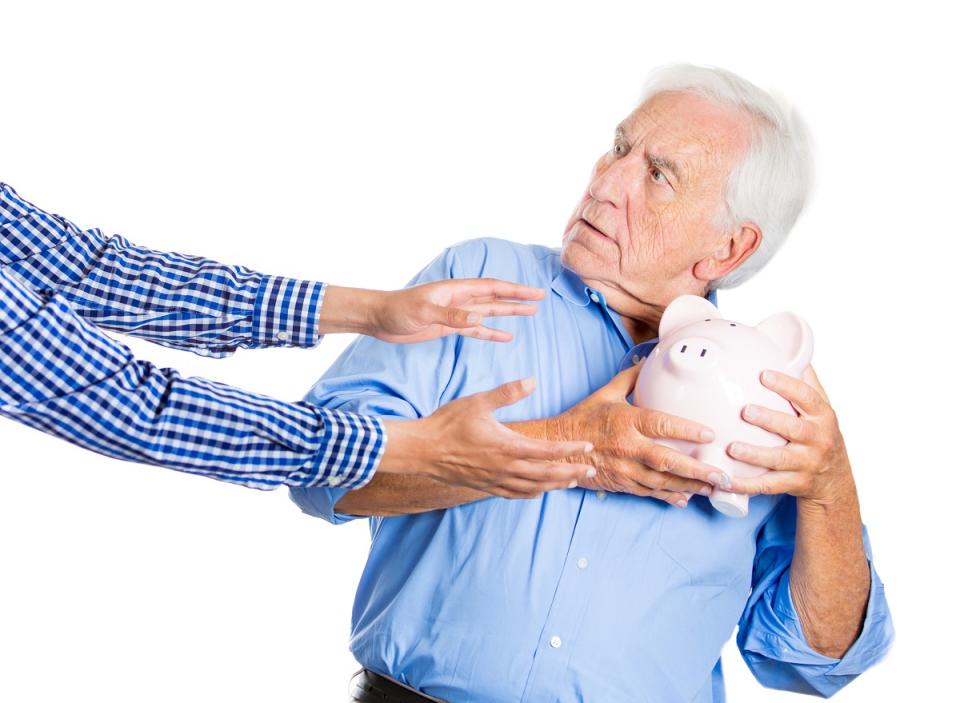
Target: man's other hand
[813,465]
[626,454]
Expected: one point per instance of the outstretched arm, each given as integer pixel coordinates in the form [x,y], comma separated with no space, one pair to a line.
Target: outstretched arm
[625,455]
[63,376]
[200,305]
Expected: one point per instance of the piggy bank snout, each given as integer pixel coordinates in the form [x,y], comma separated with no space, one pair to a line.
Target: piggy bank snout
[694,355]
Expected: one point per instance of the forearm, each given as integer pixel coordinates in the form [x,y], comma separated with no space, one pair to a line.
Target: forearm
[401,488]
[185,302]
[72,381]
[829,575]
[389,495]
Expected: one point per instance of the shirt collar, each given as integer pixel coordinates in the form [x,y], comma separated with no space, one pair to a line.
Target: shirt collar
[571,287]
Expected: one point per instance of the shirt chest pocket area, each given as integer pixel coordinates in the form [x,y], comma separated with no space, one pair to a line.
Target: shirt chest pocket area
[709,547]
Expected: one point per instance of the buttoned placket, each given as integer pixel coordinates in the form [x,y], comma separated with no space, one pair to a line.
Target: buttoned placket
[592,532]
[572,596]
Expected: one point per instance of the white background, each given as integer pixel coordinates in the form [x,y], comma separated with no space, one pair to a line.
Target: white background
[350,142]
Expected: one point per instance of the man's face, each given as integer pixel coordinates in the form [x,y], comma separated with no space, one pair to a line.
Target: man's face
[654,200]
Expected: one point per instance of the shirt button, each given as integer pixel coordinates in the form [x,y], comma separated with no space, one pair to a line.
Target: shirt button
[334,481]
[594,297]
[601,495]
[283,336]
[581,563]
[555,642]
[636,359]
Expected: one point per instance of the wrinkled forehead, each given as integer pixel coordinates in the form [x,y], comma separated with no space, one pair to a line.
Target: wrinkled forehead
[691,129]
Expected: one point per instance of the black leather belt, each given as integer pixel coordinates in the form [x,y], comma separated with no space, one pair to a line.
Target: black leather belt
[368,687]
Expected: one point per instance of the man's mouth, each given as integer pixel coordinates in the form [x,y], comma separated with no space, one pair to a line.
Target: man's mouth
[592,228]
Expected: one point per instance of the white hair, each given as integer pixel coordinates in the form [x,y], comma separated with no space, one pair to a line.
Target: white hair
[771,183]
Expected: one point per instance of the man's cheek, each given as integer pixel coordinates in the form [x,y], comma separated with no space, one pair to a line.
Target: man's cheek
[645,242]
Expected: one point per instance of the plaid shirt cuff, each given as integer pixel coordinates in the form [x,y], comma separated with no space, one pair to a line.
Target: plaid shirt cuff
[351,447]
[287,313]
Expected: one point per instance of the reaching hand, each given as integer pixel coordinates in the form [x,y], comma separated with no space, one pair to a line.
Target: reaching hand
[441,308]
[464,445]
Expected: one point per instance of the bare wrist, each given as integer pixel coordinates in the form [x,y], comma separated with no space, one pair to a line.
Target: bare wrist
[838,495]
[351,310]
[404,453]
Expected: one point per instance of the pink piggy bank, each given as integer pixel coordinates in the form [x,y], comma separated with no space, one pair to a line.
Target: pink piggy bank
[706,369]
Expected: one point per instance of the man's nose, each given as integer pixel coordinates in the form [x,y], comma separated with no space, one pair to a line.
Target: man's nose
[611,183]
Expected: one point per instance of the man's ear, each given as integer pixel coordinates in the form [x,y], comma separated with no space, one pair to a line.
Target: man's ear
[736,249]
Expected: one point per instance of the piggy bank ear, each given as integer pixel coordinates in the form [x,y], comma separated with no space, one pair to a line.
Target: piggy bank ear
[685,310]
[793,336]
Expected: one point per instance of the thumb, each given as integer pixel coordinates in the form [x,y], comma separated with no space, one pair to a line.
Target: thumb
[454,317]
[621,385]
[507,394]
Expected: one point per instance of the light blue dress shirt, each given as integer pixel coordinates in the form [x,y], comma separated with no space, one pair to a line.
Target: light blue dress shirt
[576,595]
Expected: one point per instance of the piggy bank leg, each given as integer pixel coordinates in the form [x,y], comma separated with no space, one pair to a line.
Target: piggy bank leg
[730,504]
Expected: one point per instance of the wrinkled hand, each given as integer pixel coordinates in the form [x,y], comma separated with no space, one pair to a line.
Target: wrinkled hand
[442,308]
[813,464]
[625,454]
[462,444]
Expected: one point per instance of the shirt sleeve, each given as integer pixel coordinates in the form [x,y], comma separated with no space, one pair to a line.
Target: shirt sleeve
[62,376]
[374,377]
[179,301]
[771,638]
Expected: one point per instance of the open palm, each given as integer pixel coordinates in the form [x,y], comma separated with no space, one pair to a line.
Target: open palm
[432,310]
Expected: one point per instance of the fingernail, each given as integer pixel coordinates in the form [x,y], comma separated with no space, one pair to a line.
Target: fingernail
[528,383]
[707,435]
[591,472]
[473,319]
[682,503]
[767,377]
[736,448]
[705,491]
[588,449]
[573,484]
[719,479]
[750,412]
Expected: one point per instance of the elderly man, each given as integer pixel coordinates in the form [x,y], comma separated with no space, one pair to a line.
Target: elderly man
[605,593]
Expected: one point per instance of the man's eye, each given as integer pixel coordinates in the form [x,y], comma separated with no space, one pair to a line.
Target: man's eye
[620,149]
[657,175]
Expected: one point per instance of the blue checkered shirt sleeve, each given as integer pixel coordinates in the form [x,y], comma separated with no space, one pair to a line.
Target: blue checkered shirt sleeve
[62,376]
[184,302]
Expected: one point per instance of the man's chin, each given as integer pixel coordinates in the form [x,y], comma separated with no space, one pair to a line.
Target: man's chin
[581,259]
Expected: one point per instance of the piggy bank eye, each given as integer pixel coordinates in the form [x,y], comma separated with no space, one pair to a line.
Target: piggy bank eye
[706,320]
[733,324]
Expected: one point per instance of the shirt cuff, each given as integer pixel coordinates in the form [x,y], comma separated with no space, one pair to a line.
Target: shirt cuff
[351,447]
[784,640]
[322,503]
[287,312]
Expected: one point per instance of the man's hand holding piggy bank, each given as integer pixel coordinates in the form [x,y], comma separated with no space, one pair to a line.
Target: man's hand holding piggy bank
[774,432]
[727,419]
